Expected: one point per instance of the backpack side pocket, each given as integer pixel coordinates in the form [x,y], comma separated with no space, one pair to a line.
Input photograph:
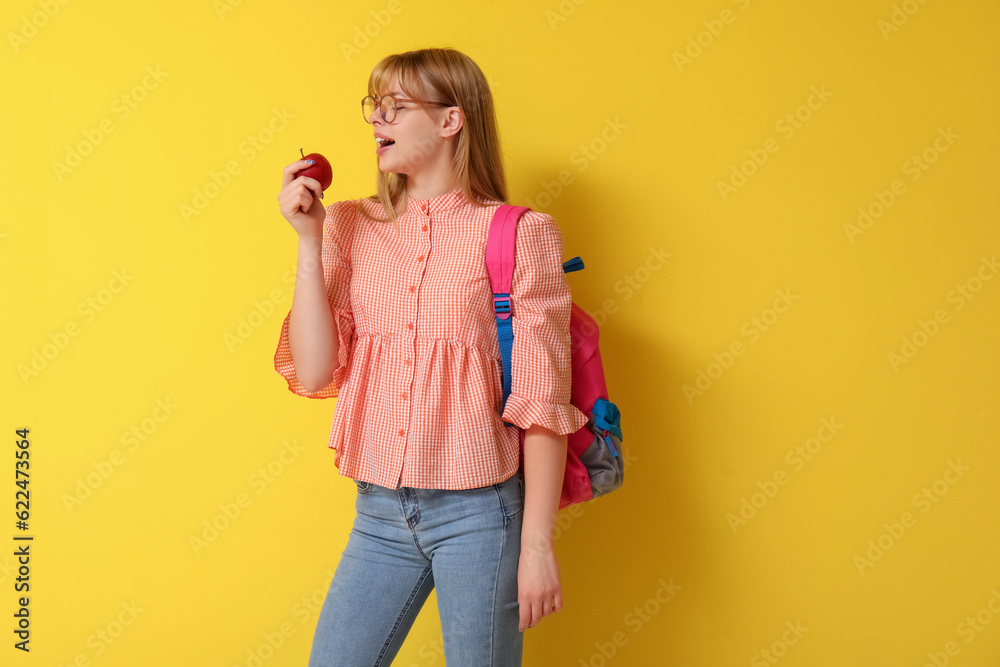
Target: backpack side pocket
[602,457]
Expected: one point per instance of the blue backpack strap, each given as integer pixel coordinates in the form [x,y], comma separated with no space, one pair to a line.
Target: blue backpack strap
[503,235]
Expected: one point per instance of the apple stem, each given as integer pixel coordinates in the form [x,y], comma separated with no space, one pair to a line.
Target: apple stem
[301,153]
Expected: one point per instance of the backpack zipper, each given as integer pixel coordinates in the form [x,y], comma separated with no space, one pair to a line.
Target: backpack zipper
[611,445]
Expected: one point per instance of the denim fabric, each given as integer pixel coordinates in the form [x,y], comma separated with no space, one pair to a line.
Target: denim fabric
[406,541]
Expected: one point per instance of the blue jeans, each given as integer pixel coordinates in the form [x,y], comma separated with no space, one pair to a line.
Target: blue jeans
[404,542]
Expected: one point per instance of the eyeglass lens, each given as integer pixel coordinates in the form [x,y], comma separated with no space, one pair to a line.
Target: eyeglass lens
[388,108]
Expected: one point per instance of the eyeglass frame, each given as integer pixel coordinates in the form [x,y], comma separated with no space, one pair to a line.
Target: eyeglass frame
[377,101]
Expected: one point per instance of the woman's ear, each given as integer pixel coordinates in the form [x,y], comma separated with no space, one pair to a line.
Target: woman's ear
[452,122]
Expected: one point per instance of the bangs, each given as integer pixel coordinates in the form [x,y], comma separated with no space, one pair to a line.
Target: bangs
[410,83]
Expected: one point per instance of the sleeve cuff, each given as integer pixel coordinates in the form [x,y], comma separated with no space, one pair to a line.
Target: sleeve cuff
[561,418]
[344,322]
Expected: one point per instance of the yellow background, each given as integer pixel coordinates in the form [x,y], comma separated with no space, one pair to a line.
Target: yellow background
[663,133]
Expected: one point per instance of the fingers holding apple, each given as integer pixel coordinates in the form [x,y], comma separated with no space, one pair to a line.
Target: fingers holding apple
[299,200]
[296,171]
[320,169]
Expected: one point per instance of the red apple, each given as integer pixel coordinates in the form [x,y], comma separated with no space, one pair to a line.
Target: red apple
[321,171]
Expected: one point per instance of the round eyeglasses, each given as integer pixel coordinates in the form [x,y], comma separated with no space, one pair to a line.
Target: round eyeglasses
[387,105]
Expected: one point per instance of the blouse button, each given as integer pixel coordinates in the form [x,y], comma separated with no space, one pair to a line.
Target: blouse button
[413,288]
[420,259]
[402,432]
[423,206]
[424,228]
[409,325]
[406,361]
[403,395]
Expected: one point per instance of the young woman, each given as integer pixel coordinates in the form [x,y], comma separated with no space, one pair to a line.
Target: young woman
[393,314]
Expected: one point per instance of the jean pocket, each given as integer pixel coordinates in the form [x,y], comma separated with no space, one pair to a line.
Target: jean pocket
[363,487]
[511,494]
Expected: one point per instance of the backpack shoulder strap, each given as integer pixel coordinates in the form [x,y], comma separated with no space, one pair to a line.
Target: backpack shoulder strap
[500,261]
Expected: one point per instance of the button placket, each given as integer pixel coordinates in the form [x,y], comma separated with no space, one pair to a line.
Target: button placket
[418,275]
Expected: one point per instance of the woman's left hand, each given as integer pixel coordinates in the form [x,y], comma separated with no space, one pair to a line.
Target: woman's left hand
[539,592]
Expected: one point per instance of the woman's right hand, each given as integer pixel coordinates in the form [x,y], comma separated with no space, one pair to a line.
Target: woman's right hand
[300,202]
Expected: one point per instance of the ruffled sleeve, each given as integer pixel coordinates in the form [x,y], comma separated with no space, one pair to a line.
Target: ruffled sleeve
[541,304]
[338,228]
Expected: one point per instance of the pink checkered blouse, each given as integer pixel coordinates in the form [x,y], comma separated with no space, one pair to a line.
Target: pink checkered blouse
[419,382]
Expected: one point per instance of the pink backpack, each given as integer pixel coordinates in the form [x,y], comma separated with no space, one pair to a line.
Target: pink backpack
[594,461]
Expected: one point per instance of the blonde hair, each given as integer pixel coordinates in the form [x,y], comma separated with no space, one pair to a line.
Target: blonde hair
[448,76]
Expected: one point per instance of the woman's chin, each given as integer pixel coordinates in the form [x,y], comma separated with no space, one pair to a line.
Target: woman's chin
[387,168]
